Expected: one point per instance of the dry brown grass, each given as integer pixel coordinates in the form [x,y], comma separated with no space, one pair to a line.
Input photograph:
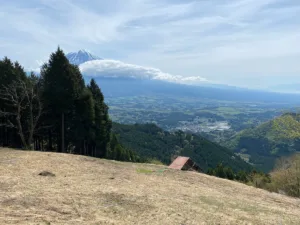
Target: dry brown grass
[93,191]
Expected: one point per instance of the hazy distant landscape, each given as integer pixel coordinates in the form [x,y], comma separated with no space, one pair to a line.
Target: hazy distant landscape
[196,115]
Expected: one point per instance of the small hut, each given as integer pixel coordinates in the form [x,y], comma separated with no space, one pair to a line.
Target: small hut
[185,163]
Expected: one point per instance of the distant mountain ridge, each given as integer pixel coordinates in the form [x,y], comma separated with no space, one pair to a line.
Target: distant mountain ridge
[121,79]
[81,56]
[135,86]
[269,141]
[124,87]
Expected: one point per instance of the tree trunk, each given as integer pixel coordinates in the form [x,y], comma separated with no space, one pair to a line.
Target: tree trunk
[20,129]
[50,144]
[84,148]
[62,132]
[42,144]
[31,126]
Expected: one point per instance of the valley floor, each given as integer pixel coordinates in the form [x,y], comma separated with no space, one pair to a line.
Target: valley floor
[90,191]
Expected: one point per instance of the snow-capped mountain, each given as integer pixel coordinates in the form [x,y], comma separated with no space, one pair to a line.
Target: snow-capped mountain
[81,56]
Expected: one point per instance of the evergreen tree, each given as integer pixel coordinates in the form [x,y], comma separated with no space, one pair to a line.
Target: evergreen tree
[81,130]
[211,172]
[62,85]
[229,173]
[242,176]
[102,122]
[220,171]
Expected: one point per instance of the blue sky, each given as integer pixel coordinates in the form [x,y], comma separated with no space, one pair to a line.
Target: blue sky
[252,43]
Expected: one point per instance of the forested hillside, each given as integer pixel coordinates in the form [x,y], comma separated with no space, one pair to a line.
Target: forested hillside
[151,141]
[55,111]
[264,144]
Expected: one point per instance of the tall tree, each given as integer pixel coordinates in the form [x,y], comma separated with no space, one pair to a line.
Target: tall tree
[102,122]
[61,87]
[82,133]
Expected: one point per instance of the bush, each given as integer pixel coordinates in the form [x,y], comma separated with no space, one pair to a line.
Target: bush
[286,176]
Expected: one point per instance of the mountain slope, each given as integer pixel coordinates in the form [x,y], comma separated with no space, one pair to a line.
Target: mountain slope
[269,141]
[150,141]
[124,87]
[94,191]
[120,79]
[117,78]
[80,57]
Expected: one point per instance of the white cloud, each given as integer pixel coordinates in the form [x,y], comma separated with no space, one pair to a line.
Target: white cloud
[114,68]
[228,41]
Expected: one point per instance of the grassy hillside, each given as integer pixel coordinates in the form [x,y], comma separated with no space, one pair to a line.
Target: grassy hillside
[265,143]
[150,141]
[93,191]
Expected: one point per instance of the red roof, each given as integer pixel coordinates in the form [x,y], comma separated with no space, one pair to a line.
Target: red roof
[179,162]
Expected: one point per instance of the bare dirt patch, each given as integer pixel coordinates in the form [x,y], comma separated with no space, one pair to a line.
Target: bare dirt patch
[94,191]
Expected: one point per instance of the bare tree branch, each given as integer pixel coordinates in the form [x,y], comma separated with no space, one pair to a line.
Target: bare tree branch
[21,96]
[8,124]
[6,114]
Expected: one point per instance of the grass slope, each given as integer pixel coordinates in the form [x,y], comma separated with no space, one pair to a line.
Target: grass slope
[270,140]
[92,191]
[150,141]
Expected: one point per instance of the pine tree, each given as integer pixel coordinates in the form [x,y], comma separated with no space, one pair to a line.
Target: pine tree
[242,176]
[81,133]
[102,122]
[219,171]
[62,85]
[229,173]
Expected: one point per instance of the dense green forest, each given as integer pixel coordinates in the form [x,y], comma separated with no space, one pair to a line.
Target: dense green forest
[152,142]
[56,111]
[255,178]
[264,144]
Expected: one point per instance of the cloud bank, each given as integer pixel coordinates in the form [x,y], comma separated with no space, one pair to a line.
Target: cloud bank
[114,68]
[238,42]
